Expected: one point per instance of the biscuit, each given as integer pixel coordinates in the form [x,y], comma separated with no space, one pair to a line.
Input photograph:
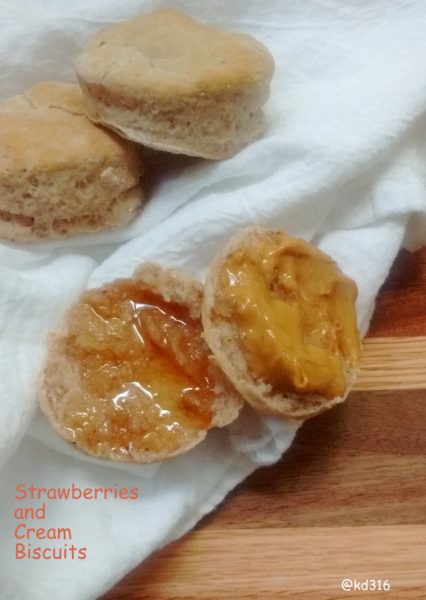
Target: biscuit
[129,376]
[279,316]
[60,174]
[172,83]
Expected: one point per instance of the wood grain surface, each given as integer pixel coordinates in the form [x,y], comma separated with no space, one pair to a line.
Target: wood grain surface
[347,501]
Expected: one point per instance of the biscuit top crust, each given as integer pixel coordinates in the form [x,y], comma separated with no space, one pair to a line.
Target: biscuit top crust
[54,94]
[294,313]
[44,129]
[167,53]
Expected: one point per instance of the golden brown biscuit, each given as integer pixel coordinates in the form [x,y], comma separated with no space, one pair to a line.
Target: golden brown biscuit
[175,84]
[60,174]
[279,317]
[129,377]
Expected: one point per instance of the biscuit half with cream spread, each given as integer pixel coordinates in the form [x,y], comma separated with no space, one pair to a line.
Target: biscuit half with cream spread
[172,83]
[60,174]
[279,316]
[129,376]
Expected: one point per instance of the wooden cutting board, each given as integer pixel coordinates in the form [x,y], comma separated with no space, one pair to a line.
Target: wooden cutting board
[348,501]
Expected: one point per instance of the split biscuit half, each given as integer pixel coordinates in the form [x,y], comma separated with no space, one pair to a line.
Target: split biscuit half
[279,316]
[129,376]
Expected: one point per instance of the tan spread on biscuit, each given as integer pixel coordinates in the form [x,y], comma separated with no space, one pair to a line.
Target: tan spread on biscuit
[294,312]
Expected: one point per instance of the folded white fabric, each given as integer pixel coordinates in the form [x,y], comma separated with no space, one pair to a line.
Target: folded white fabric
[342,163]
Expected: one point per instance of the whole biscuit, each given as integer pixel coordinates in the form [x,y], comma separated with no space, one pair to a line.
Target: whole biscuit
[175,84]
[59,173]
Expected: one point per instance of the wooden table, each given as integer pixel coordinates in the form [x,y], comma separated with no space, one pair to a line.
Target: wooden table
[347,501]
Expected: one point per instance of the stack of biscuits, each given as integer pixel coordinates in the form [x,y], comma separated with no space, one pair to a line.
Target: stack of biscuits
[71,157]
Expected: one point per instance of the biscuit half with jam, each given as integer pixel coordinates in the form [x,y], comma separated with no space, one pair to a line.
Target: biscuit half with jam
[129,376]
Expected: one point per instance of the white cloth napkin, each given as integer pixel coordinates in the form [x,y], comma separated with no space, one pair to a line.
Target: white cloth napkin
[342,163]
